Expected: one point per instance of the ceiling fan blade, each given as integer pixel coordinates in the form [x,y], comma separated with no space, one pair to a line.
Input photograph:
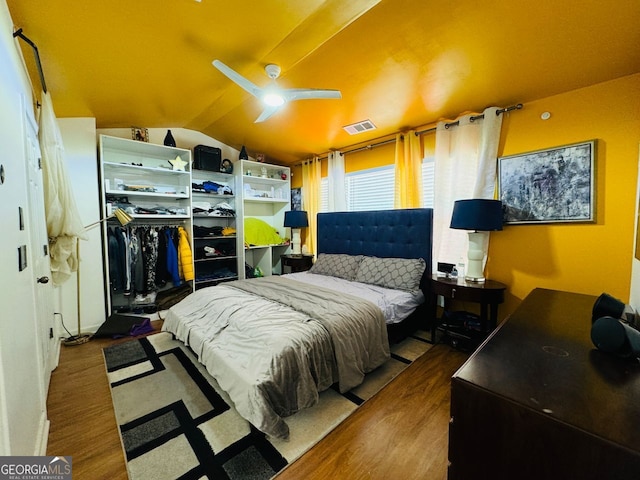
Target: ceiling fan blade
[291,94]
[266,113]
[238,79]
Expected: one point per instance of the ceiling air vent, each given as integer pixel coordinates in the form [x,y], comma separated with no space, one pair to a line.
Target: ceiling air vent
[359,127]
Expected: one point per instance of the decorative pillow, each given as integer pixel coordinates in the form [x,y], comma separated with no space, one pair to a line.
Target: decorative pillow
[398,273]
[337,265]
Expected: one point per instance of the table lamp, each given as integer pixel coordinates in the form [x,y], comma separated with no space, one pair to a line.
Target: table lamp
[478,215]
[296,219]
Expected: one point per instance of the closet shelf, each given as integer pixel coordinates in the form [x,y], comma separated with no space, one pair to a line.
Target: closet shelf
[258,247]
[211,281]
[137,193]
[266,200]
[213,259]
[216,237]
[141,168]
[211,194]
[140,216]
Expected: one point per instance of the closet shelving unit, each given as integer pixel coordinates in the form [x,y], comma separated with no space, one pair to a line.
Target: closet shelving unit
[266,194]
[221,263]
[140,178]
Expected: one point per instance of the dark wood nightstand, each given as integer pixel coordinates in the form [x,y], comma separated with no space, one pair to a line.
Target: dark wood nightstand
[297,263]
[488,294]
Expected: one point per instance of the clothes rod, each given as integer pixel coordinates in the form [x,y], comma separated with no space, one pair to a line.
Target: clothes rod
[18,33]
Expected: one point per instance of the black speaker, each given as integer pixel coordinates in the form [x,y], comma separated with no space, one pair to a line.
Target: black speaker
[606,305]
[611,335]
[207,158]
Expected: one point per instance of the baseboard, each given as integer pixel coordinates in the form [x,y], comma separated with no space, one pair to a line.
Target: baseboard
[43,435]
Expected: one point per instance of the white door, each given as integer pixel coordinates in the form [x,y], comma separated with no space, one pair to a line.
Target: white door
[39,254]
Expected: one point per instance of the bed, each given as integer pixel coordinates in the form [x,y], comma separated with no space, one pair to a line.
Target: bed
[274,343]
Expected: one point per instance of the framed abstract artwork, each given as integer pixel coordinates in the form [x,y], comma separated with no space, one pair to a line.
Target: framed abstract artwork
[549,186]
[296,199]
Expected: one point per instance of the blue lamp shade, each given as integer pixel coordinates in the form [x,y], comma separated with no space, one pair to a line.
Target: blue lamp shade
[477,214]
[296,219]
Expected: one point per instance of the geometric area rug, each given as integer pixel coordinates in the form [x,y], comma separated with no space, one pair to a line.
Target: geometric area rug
[175,421]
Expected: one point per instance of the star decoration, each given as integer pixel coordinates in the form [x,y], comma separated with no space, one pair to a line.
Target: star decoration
[178,164]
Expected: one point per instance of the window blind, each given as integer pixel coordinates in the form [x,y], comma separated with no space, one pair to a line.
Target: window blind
[370,189]
[428,181]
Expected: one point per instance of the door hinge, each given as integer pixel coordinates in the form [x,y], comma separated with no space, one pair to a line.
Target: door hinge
[51,332]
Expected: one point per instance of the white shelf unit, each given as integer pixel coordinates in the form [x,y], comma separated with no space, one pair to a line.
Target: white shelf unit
[266,194]
[139,178]
[223,262]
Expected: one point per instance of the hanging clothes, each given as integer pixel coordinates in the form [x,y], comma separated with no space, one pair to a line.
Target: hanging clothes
[172,259]
[135,261]
[124,238]
[150,255]
[185,257]
[64,224]
[116,259]
[162,274]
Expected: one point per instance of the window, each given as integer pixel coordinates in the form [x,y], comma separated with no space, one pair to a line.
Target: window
[371,189]
[428,181]
[324,194]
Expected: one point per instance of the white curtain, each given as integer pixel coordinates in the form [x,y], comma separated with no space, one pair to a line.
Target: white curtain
[64,224]
[335,179]
[465,167]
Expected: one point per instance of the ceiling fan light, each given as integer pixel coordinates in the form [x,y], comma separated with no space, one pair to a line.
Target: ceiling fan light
[273,99]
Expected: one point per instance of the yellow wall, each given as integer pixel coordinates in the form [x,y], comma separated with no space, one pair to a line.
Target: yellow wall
[584,258]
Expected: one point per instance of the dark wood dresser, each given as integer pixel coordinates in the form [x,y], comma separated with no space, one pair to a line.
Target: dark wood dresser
[537,401]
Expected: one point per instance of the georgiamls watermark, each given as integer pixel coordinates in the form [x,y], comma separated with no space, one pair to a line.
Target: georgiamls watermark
[35,468]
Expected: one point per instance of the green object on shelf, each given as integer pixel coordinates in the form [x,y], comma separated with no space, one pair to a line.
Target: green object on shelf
[259,232]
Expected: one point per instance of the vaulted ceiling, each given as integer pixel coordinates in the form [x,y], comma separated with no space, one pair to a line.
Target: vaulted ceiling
[398,63]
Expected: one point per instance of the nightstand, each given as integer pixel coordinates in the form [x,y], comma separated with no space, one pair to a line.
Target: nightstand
[488,294]
[296,263]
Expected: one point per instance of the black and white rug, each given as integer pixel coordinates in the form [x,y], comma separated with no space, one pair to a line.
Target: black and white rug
[176,423]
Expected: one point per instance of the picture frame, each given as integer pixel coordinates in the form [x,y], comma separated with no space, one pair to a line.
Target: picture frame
[140,134]
[555,185]
[296,199]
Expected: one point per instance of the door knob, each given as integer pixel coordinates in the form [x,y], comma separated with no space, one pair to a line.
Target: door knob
[43,280]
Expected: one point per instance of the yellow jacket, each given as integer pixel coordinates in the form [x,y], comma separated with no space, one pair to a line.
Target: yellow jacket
[185,258]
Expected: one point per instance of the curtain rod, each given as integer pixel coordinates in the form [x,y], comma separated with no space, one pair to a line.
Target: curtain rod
[446,125]
[471,119]
[18,33]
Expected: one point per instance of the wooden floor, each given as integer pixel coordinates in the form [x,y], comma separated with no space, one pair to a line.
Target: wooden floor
[402,432]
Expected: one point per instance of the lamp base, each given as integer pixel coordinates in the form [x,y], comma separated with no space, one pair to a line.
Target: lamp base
[475,255]
[76,340]
[295,242]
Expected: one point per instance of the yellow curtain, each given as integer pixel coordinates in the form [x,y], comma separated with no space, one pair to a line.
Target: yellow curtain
[311,178]
[408,186]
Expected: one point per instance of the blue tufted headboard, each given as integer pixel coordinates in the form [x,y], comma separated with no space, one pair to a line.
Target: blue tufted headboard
[381,233]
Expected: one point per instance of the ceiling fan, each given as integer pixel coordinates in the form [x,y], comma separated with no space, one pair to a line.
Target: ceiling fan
[272,96]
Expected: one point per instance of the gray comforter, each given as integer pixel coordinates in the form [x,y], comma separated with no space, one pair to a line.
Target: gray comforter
[273,344]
